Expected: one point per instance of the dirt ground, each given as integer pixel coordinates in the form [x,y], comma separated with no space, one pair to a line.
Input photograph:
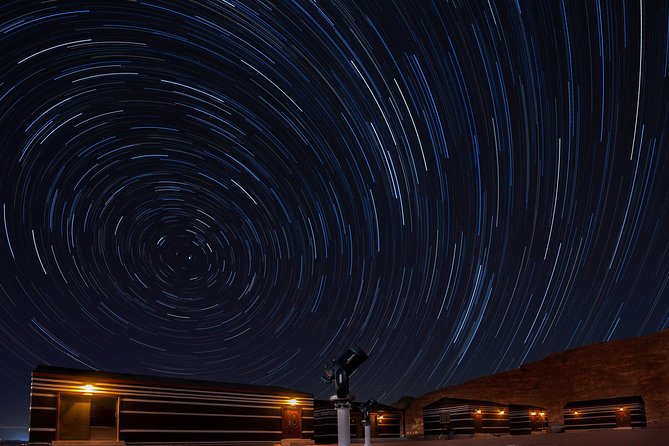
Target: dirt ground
[610,437]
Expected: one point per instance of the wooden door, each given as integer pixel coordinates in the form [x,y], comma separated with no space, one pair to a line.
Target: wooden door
[534,422]
[623,417]
[374,425]
[291,422]
[478,422]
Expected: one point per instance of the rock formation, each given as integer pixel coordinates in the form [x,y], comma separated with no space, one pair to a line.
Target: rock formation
[636,366]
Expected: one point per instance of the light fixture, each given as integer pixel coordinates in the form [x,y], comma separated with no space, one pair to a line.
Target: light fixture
[478,410]
[533,413]
[380,417]
[576,412]
[542,413]
[622,409]
[88,389]
[292,401]
[501,412]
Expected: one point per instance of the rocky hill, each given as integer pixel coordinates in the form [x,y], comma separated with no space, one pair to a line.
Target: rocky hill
[637,366]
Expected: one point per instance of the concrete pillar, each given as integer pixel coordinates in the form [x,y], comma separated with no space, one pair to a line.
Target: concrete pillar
[343,407]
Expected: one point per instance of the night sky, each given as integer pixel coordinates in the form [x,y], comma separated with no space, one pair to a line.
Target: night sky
[240,190]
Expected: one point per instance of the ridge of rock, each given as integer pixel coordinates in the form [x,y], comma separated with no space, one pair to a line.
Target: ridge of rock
[627,367]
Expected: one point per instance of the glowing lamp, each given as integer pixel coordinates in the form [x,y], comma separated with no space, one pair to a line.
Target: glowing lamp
[292,401]
[542,414]
[380,417]
[533,413]
[478,410]
[622,409]
[88,389]
[501,412]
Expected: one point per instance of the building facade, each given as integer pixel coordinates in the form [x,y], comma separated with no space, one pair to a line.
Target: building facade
[385,422]
[624,412]
[527,419]
[450,417]
[325,422]
[71,404]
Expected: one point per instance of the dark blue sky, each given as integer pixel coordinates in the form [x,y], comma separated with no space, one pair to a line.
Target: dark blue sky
[239,191]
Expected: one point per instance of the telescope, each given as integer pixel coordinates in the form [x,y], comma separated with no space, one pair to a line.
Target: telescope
[366,409]
[340,370]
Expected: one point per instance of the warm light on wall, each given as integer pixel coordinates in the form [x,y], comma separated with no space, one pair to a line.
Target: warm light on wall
[292,402]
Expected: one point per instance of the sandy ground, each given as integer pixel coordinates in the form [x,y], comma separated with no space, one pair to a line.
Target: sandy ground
[634,437]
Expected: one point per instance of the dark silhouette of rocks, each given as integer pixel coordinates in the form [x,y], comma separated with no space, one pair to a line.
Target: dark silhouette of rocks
[636,366]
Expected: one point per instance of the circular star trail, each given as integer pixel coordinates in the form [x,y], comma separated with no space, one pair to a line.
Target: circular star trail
[241,190]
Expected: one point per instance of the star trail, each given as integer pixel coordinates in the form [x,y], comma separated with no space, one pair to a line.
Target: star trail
[241,190]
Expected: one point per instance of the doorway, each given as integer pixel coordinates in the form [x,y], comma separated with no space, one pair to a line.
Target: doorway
[478,422]
[291,420]
[374,421]
[623,417]
[87,417]
[534,421]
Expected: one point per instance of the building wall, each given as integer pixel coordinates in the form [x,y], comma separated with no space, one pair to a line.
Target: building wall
[325,423]
[602,414]
[462,419]
[43,415]
[155,413]
[520,419]
[390,425]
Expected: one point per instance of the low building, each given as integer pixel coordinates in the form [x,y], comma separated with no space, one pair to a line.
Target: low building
[527,419]
[325,422]
[71,404]
[450,417]
[624,412]
[385,422]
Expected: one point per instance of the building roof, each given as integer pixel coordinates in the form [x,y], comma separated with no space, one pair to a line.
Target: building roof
[526,407]
[126,378]
[459,401]
[325,404]
[605,402]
